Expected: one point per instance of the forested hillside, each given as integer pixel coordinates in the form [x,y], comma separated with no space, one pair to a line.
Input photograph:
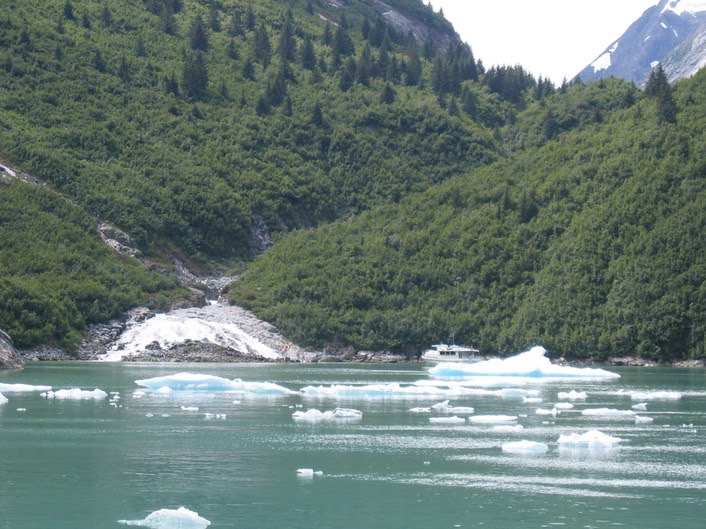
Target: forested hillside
[590,244]
[394,189]
[209,129]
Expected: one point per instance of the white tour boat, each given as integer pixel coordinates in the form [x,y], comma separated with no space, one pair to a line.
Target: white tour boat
[451,353]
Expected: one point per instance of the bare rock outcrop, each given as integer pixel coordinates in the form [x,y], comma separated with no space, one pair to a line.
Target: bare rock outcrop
[9,359]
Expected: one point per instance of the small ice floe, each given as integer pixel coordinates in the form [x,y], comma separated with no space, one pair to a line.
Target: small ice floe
[21,410]
[544,411]
[607,412]
[563,406]
[447,420]
[641,419]
[21,388]
[591,440]
[189,408]
[214,416]
[525,447]
[308,473]
[75,394]
[181,518]
[338,414]
[642,406]
[572,395]
[420,410]
[198,382]
[445,407]
[508,428]
[531,400]
[655,395]
[3,399]
[492,419]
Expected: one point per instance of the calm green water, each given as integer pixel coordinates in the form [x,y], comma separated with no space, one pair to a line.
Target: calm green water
[70,464]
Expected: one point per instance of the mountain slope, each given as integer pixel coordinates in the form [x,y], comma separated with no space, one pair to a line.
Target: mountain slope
[651,39]
[589,244]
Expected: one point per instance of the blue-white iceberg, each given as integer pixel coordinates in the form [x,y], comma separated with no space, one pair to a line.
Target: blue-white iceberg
[181,518]
[530,364]
[198,382]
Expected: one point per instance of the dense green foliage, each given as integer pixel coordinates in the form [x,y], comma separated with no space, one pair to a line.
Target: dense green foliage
[58,275]
[591,245]
[410,192]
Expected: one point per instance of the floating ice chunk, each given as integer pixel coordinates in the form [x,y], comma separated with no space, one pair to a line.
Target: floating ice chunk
[642,406]
[441,405]
[308,473]
[314,415]
[75,394]
[21,388]
[508,428]
[189,408]
[525,447]
[181,518]
[490,419]
[563,406]
[641,419]
[445,407]
[544,411]
[655,395]
[607,412]
[198,382]
[590,440]
[532,364]
[21,409]
[447,420]
[420,410]
[572,395]
[391,389]
[3,399]
[531,400]
[216,416]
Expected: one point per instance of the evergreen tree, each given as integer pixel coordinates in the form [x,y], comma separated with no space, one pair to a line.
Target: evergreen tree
[262,49]
[287,46]
[388,95]
[307,55]
[195,76]
[198,38]
[659,89]
[69,10]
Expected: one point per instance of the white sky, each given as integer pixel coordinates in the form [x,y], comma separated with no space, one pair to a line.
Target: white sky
[551,38]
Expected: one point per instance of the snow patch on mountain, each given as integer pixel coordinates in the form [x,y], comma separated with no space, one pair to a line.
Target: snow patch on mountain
[685,6]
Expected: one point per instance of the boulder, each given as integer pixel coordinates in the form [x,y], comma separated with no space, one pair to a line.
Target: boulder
[9,359]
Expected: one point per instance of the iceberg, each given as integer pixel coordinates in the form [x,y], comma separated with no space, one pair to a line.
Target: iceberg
[525,447]
[391,389]
[181,518]
[591,440]
[655,395]
[3,399]
[444,407]
[491,419]
[529,364]
[447,420]
[21,388]
[197,382]
[75,394]
[572,395]
[314,415]
[607,412]
[308,473]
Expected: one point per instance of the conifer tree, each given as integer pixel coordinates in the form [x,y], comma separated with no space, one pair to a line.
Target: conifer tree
[195,76]
[307,54]
[198,38]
